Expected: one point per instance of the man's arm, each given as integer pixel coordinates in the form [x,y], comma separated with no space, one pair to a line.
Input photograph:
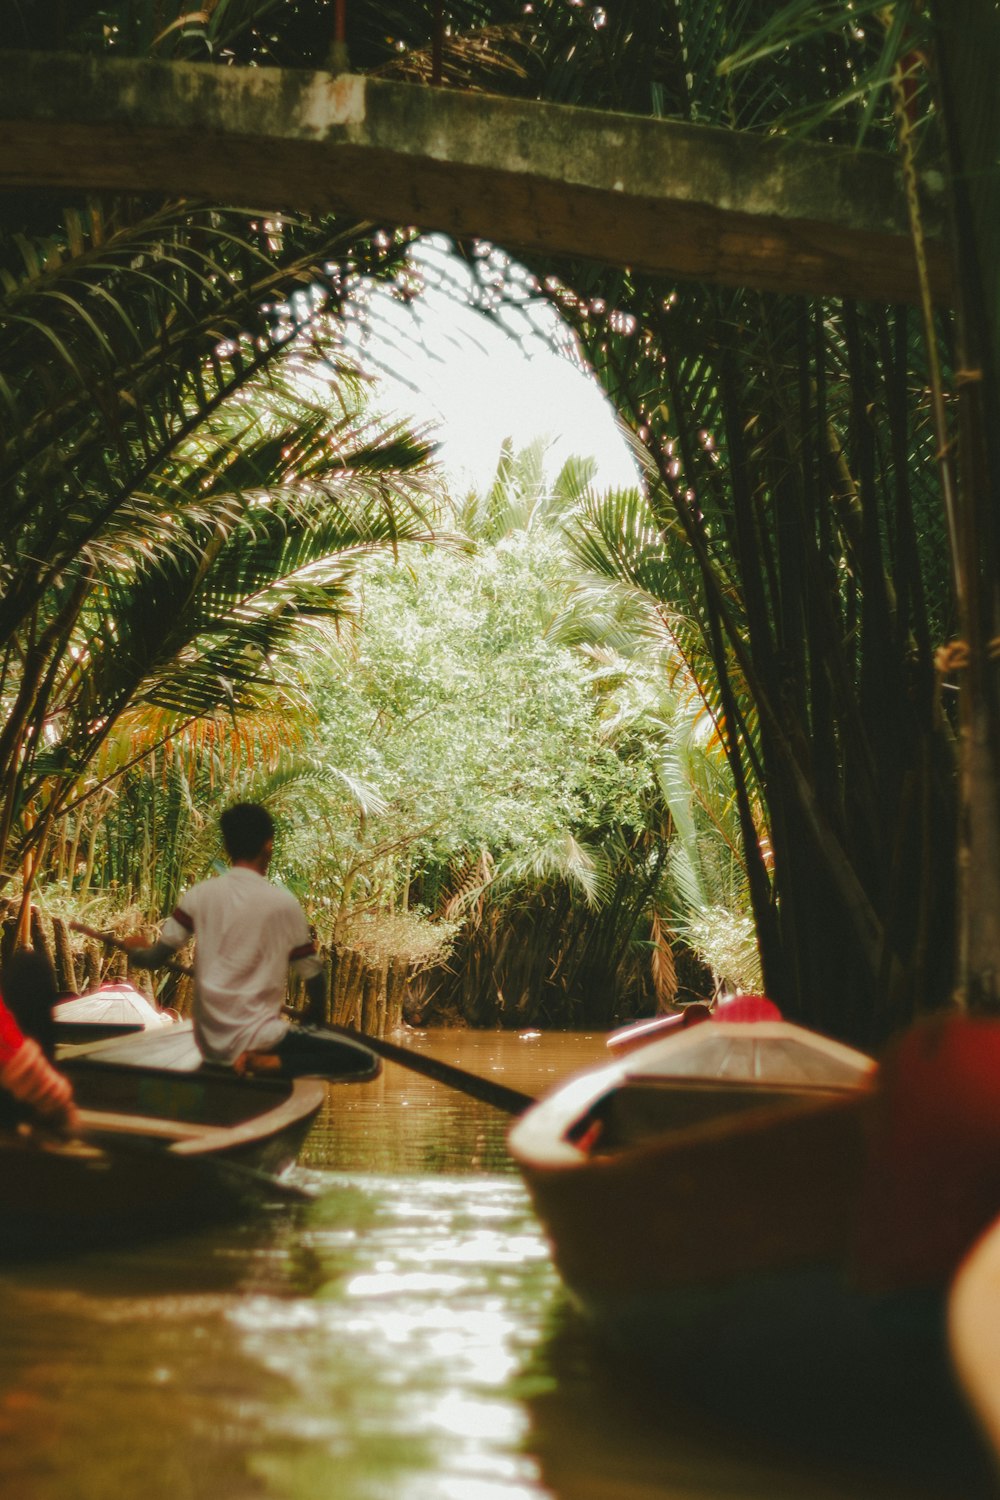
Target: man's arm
[145,955]
[175,932]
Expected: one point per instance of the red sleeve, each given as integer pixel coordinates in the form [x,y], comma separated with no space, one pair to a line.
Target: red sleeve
[11,1035]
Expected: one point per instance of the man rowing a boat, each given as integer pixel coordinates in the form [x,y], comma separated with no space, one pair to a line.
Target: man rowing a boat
[249,932]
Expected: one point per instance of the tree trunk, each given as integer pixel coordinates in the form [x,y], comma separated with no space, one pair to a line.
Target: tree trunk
[394,996]
[66,977]
[967,58]
[92,966]
[349,991]
[39,940]
[370,993]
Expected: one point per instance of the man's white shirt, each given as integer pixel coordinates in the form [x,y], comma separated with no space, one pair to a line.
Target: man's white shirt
[248,931]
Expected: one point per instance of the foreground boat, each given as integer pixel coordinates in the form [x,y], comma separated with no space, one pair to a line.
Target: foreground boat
[762,1211]
[694,1170]
[155,1087]
[61,1197]
[701,1196]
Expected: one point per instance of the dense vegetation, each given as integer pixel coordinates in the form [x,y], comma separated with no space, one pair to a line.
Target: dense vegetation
[805,543]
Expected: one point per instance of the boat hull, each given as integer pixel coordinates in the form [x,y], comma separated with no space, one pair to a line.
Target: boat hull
[705,1209]
[156,1088]
[167,1142]
[702,1218]
[726,1266]
[770,1255]
[63,1198]
[258,1123]
[78,1033]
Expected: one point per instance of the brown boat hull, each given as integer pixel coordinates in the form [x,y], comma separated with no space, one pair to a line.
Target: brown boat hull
[63,1198]
[709,1203]
[155,1089]
[696,1214]
[726,1261]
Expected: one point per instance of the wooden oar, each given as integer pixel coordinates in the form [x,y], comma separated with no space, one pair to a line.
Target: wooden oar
[512,1101]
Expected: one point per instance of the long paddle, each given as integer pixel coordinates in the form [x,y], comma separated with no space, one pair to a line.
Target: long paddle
[511,1101]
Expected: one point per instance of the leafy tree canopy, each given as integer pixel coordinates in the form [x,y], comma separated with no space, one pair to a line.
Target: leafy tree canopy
[473,726]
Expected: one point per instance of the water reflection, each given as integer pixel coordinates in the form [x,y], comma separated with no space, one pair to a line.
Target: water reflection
[403,1365]
[405,1336]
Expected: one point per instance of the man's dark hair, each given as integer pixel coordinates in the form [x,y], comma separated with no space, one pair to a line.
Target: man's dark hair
[246,828]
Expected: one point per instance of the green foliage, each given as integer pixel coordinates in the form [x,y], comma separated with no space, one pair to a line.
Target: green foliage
[792,537]
[867,40]
[477,729]
[790,545]
[655,678]
[473,750]
[178,509]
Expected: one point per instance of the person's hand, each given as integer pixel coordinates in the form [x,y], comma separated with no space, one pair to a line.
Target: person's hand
[31,1079]
[137,942]
[63,1119]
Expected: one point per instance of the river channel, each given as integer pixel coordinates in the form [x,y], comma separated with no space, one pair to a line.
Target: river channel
[403,1337]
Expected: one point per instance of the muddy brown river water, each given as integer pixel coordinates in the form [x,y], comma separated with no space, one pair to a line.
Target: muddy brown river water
[405,1337]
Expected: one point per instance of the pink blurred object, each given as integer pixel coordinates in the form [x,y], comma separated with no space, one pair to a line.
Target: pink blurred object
[730,1008]
[746,1008]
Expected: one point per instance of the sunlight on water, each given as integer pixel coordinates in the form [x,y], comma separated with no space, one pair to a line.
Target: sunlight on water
[380,1363]
[412,1342]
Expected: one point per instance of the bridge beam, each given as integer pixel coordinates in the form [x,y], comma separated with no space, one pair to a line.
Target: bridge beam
[690,202]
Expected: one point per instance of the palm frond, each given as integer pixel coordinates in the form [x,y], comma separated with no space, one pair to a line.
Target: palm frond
[560,858]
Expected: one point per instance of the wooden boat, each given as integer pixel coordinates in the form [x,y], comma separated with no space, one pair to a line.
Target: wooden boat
[60,1197]
[167,1141]
[752,1203]
[260,1123]
[700,1195]
[114,1010]
[174,1048]
[156,1088]
[654,1028]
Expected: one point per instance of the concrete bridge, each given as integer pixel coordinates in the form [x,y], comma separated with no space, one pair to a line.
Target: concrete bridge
[665,198]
